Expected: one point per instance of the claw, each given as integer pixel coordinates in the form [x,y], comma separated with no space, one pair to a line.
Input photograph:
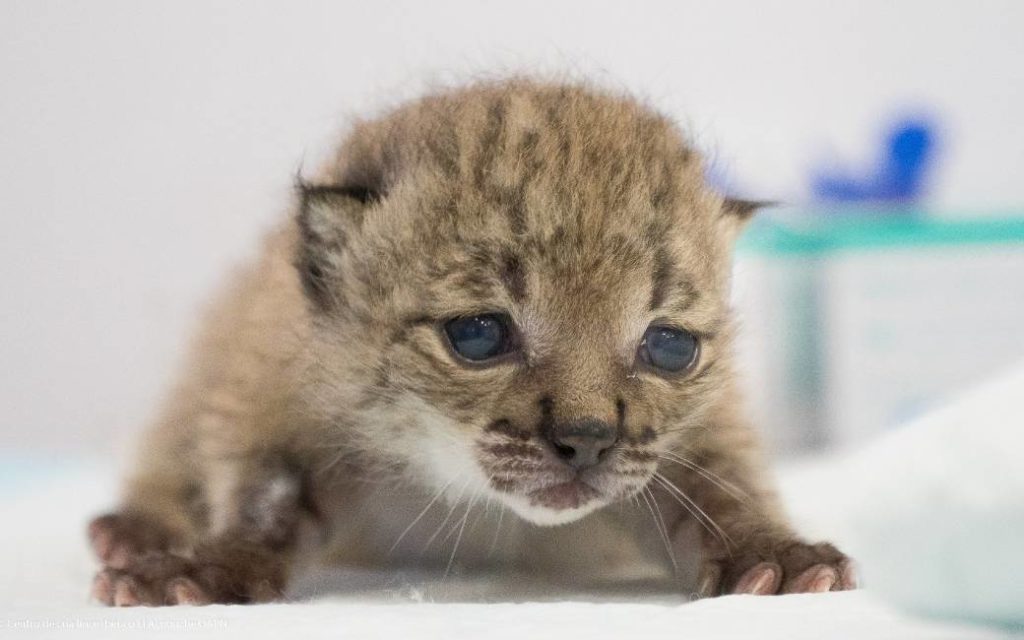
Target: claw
[848,578]
[185,591]
[711,577]
[101,540]
[103,588]
[817,579]
[761,579]
[126,592]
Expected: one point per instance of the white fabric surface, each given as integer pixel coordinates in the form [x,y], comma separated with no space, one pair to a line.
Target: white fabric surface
[934,511]
[46,571]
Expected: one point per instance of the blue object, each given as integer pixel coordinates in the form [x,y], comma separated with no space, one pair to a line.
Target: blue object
[898,177]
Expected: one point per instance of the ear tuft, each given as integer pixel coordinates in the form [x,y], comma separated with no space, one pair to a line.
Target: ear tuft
[361,193]
[744,209]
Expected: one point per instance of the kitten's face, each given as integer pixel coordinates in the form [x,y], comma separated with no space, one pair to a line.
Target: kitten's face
[565,376]
[543,346]
[550,371]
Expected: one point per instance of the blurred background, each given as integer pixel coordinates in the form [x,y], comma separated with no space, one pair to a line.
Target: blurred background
[146,147]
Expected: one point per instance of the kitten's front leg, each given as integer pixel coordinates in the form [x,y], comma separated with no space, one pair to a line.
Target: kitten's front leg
[255,510]
[747,545]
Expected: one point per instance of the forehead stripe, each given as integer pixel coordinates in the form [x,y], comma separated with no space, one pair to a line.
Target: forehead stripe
[513,276]
[660,278]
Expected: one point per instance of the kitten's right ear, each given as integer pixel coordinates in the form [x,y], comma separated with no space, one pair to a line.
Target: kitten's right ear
[737,212]
[329,215]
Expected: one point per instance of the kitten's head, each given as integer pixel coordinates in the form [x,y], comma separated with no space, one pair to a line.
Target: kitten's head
[520,290]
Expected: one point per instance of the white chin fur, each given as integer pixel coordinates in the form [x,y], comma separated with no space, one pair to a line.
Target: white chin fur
[448,464]
[544,516]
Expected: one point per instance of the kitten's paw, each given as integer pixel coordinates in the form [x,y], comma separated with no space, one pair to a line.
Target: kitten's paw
[116,538]
[159,578]
[154,578]
[790,567]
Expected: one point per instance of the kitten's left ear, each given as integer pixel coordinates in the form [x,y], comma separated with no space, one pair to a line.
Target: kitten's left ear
[736,212]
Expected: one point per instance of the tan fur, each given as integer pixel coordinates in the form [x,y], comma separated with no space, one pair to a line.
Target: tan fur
[583,215]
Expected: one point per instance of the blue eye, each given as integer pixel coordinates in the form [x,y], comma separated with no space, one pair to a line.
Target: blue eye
[481,337]
[669,349]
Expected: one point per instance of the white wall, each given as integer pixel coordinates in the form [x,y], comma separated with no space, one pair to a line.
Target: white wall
[145,145]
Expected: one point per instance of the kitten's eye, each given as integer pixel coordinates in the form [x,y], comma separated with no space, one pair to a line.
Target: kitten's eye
[481,337]
[669,348]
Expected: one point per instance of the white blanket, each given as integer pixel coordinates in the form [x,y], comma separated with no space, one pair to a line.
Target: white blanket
[46,571]
[934,511]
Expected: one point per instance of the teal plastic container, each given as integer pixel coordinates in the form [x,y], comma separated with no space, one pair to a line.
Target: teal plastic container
[854,322]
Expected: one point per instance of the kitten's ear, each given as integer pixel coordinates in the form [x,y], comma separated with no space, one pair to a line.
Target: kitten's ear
[328,217]
[736,212]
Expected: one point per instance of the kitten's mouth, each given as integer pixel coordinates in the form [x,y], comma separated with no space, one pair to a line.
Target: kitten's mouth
[542,488]
[564,495]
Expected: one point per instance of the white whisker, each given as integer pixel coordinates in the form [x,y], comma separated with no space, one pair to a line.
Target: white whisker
[455,504]
[709,475]
[659,524]
[706,520]
[421,514]
[497,530]
[458,538]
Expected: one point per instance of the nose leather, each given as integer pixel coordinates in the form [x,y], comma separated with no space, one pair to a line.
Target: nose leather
[582,442]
